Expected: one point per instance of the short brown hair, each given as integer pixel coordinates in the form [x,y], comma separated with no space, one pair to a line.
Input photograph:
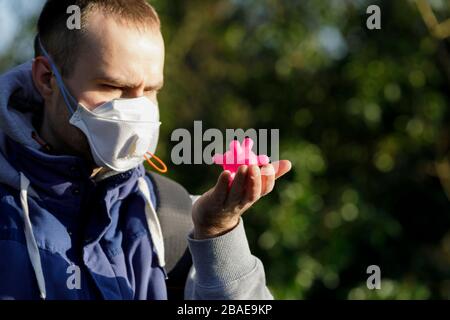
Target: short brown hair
[62,44]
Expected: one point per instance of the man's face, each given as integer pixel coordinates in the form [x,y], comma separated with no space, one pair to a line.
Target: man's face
[116,61]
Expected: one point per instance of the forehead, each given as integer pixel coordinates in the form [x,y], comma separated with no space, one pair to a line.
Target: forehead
[121,50]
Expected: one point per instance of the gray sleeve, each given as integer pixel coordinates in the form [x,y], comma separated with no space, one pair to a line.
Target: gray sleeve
[224,268]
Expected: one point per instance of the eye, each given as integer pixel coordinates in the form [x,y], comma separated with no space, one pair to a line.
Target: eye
[150,90]
[110,87]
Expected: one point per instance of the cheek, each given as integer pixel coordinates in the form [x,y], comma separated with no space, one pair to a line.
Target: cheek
[87,93]
[72,137]
[60,110]
[56,106]
[58,117]
[92,100]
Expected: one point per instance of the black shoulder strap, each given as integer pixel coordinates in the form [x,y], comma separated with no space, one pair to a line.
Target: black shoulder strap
[174,207]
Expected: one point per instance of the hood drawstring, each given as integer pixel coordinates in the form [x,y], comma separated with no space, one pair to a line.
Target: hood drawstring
[153,223]
[33,251]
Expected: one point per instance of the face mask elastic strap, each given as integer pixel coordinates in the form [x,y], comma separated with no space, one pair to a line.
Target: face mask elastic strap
[164,167]
[65,93]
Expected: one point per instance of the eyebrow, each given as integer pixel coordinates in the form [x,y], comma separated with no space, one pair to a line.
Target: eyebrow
[123,84]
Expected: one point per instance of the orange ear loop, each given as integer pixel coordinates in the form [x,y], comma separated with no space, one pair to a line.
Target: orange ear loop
[164,167]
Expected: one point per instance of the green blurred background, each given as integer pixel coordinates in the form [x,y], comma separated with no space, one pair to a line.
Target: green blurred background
[363,116]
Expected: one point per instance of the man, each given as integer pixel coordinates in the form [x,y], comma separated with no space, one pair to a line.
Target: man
[79,216]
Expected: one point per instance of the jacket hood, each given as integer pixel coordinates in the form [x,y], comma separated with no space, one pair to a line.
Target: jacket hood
[19,100]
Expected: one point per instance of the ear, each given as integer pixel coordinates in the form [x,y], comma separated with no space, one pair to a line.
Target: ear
[42,77]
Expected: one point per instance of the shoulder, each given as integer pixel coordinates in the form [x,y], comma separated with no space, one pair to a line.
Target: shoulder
[173,203]
[168,190]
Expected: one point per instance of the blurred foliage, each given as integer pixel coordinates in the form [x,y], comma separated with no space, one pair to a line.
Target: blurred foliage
[363,116]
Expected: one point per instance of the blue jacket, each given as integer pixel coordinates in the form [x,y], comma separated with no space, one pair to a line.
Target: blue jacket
[98,227]
[64,235]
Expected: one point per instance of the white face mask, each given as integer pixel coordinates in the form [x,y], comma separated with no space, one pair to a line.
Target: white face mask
[120,132]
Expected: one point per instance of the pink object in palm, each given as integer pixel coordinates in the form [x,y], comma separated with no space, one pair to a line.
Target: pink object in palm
[239,155]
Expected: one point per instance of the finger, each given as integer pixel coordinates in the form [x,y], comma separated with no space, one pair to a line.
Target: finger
[268,179]
[281,167]
[253,186]
[220,190]
[268,170]
[237,187]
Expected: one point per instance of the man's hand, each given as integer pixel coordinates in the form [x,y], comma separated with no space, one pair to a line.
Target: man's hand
[218,210]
